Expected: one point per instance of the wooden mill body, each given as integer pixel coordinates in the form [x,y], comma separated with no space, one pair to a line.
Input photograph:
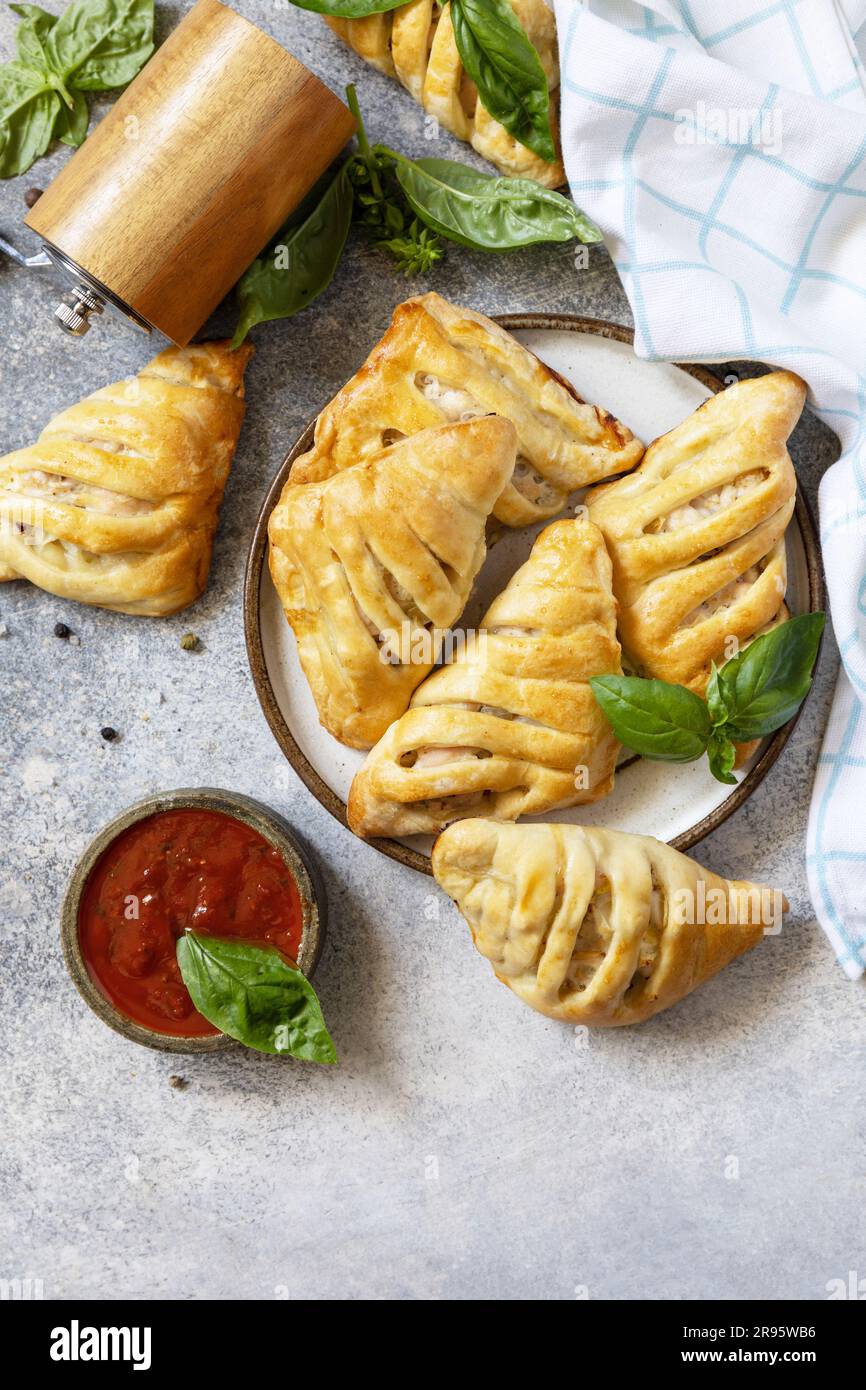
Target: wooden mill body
[194,169]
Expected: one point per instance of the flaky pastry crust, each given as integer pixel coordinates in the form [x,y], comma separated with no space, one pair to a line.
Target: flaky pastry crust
[502,728]
[697,532]
[380,555]
[595,926]
[117,503]
[439,362]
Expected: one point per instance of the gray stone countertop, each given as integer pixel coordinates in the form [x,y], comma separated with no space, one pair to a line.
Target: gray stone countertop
[465,1147]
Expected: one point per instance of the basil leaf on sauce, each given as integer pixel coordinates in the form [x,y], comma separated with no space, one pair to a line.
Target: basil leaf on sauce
[253,994]
[512,84]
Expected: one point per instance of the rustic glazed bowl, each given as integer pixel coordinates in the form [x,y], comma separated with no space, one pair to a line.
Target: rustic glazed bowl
[269,825]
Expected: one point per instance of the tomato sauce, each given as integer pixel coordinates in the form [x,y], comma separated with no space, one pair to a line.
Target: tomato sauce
[182,869]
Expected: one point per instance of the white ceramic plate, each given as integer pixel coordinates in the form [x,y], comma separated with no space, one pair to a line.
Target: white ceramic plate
[677,803]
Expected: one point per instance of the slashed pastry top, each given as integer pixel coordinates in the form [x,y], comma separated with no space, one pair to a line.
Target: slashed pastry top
[415,43]
[697,532]
[503,727]
[438,362]
[117,503]
[595,926]
[372,564]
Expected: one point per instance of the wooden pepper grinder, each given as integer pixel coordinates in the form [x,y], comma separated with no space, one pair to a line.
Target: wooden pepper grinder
[195,168]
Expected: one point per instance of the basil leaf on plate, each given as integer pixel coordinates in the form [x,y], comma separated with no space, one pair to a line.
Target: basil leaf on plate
[512,85]
[661,721]
[101,44]
[349,9]
[28,109]
[721,755]
[300,262]
[762,688]
[487,212]
[253,994]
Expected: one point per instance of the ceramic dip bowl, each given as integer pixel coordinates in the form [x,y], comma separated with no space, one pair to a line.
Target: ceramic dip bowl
[266,823]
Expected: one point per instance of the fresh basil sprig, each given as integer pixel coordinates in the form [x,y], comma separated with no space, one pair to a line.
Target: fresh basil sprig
[406,207]
[382,210]
[512,85]
[253,994]
[748,697]
[95,45]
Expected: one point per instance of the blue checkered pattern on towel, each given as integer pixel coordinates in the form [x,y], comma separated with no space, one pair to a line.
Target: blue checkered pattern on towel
[722,151]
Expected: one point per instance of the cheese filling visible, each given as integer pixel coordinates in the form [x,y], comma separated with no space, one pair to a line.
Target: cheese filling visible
[437,756]
[709,503]
[38,484]
[455,403]
[723,598]
[532,485]
[458,405]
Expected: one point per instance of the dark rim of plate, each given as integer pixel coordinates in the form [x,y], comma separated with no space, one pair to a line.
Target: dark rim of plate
[394,849]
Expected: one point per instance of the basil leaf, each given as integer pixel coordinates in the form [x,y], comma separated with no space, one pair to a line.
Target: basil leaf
[28,110]
[30,35]
[102,43]
[763,687]
[71,126]
[253,994]
[715,699]
[300,263]
[349,9]
[665,722]
[512,84]
[486,212]
[721,755]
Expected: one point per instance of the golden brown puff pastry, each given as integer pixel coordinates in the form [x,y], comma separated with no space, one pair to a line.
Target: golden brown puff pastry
[500,730]
[696,533]
[117,503]
[439,362]
[415,43]
[595,926]
[375,561]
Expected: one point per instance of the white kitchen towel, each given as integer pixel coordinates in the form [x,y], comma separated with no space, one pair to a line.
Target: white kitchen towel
[722,151]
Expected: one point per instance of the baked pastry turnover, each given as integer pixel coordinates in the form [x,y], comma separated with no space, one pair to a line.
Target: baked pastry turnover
[372,564]
[438,362]
[697,532]
[117,503]
[501,729]
[415,43]
[596,926]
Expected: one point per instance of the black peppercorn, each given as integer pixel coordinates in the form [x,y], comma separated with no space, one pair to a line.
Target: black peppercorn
[108,733]
[61,630]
